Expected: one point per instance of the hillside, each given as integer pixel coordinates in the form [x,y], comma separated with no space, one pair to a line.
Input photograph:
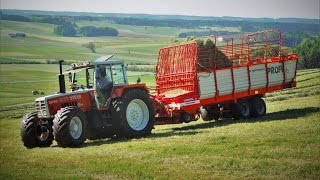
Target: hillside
[140,35]
[135,45]
[283,145]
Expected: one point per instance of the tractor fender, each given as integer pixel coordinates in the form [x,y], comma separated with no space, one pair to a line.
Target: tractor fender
[119,90]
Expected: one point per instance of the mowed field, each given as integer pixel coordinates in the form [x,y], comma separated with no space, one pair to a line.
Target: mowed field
[17,81]
[282,145]
[134,45]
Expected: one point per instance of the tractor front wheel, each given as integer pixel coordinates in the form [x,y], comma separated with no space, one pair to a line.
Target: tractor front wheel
[70,127]
[134,114]
[35,132]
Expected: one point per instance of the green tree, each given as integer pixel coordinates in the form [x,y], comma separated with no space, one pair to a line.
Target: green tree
[293,38]
[90,31]
[309,53]
[66,29]
[90,46]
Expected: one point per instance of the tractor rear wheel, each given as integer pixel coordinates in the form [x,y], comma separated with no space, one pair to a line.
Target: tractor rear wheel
[241,109]
[70,127]
[35,132]
[133,114]
[258,107]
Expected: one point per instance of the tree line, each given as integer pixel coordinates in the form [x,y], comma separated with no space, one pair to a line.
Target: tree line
[246,26]
[205,33]
[66,26]
[71,29]
[309,53]
[90,31]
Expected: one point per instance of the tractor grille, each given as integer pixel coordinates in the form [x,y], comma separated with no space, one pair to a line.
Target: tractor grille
[74,103]
[41,108]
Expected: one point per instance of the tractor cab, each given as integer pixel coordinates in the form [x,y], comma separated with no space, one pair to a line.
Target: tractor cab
[100,75]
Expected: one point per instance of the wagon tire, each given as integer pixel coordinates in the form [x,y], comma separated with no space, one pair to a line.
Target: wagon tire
[205,115]
[258,107]
[208,116]
[241,109]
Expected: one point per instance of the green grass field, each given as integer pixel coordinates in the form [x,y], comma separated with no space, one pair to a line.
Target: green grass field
[134,45]
[284,144]
[19,80]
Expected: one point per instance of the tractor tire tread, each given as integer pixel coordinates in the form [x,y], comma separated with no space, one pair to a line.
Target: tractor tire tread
[119,114]
[61,130]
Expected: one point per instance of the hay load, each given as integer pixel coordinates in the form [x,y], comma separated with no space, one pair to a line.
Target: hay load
[208,55]
[267,53]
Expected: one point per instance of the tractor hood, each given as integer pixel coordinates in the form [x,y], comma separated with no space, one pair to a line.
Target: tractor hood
[48,106]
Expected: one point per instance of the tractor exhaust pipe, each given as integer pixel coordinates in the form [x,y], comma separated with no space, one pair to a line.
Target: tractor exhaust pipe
[62,83]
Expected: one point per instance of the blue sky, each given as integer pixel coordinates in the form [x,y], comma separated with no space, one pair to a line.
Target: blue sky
[239,8]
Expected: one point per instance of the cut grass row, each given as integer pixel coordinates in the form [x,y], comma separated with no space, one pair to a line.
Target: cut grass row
[283,145]
[308,85]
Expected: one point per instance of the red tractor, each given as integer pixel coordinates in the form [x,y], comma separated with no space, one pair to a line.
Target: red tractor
[101,104]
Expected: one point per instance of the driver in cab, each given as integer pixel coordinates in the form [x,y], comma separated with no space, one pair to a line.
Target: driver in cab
[103,85]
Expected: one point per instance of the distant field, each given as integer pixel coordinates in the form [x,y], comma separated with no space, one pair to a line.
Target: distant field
[135,44]
[18,81]
[147,31]
[41,45]
[284,144]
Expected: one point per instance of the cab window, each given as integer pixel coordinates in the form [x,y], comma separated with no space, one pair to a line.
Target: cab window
[118,74]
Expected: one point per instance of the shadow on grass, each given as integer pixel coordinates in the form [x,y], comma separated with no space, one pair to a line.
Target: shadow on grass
[289,114]
[119,140]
